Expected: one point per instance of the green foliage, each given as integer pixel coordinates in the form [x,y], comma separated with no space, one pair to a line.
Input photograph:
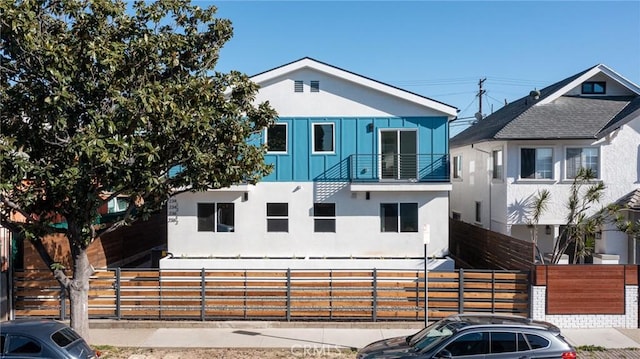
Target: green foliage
[591,348]
[97,101]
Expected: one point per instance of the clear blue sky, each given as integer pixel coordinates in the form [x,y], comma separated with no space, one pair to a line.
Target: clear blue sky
[439,49]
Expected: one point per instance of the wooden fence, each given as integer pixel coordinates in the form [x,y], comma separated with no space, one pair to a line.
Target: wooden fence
[368,295]
[475,247]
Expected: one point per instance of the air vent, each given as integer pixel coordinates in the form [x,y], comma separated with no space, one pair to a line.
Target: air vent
[298,86]
[315,86]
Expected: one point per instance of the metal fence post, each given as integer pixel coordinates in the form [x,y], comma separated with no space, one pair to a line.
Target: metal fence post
[493,291]
[461,290]
[63,303]
[374,309]
[118,294]
[203,294]
[288,294]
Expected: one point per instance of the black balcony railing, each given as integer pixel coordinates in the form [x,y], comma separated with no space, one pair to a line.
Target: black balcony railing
[399,168]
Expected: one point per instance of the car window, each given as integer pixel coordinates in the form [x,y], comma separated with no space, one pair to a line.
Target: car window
[1,344]
[18,344]
[522,343]
[503,342]
[536,341]
[469,344]
[64,337]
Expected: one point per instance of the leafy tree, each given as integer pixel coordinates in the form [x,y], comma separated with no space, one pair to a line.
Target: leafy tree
[538,206]
[581,227]
[98,101]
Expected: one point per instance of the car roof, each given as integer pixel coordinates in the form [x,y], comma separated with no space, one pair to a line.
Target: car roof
[469,321]
[34,327]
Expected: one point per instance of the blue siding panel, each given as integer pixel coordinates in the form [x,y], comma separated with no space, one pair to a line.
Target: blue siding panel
[353,136]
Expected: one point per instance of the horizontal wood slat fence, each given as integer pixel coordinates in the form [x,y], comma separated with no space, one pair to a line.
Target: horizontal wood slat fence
[367,295]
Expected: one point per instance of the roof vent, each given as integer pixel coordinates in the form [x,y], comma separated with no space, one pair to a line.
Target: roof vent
[298,86]
[535,94]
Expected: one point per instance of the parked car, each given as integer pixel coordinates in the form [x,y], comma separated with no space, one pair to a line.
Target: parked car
[38,338]
[476,336]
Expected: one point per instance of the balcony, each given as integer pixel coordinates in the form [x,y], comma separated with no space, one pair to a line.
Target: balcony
[369,172]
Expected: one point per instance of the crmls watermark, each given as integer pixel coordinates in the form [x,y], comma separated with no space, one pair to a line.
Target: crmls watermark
[308,351]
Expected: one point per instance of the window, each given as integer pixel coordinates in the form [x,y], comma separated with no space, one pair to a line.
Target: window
[469,344]
[594,88]
[457,167]
[523,346]
[276,138]
[401,217]
[457,216]
[22,345]
[479,212]
[216,217]
[536,163]
[496,156]
[277,217]
[315,86]
[577,158]
[64,337]
[323,137]
[324,220]
[298,86]
[503,342]
[118,204]
[536,341]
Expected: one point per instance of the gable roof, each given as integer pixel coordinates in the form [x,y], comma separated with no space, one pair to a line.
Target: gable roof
[556,115]
[310,63]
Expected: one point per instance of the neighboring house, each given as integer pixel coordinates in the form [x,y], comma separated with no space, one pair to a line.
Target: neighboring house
[361,172]
[591,119]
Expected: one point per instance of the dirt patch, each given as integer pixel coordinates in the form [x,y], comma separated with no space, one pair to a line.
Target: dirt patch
[235,353]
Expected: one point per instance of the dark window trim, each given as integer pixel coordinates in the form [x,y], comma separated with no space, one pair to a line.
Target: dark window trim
[593,87]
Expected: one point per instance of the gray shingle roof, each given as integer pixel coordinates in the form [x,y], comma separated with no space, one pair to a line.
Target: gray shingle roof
[567,117]
[630,200]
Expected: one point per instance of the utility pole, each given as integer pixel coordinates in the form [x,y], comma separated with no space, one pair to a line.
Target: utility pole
[480,93]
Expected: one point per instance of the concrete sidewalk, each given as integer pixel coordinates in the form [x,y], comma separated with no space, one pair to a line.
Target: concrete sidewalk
[299,334]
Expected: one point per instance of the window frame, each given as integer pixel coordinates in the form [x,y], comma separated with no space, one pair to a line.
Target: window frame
[589,88]
[495,174]
[313,138]
[277,218]
[215,218]
[286,138]
[535,162]
[324,218]
[582,148]
[457,167]
[399,226]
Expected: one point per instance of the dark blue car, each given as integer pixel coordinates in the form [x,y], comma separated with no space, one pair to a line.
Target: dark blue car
[41,338]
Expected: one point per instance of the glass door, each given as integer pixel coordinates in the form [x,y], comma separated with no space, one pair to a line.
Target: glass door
[398,154]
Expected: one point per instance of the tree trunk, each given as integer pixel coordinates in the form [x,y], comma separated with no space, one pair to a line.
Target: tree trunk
[79,292]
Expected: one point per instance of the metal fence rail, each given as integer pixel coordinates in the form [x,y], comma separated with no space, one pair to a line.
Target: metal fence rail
[368,295]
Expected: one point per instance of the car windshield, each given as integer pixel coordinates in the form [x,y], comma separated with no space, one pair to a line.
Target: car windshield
[434,334]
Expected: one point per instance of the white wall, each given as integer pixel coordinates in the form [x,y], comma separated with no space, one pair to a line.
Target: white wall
[337,97]
[357,224]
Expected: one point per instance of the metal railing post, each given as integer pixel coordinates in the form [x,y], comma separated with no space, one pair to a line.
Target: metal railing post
[203,294]
[461,291]
[63,303]
[493,291]
[374,309]
[288,294]
[118,294]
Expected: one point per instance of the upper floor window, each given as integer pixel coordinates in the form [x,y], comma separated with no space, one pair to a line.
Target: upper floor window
[586,157]
[323,137]
[325,217]
[496,157]
[536,163]
[478,212]
[118,204]
[315,86]
[276,138]
[399,217]
[216,217]
[298,86]
[457,166]
[594,88]
[277,217]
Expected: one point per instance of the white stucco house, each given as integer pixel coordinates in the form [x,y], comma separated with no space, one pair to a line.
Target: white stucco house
[361,177]
[591,119]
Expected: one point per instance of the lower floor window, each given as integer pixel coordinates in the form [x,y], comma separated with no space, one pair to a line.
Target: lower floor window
[277,217]
[216,217]
[399,217]
[324,217]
